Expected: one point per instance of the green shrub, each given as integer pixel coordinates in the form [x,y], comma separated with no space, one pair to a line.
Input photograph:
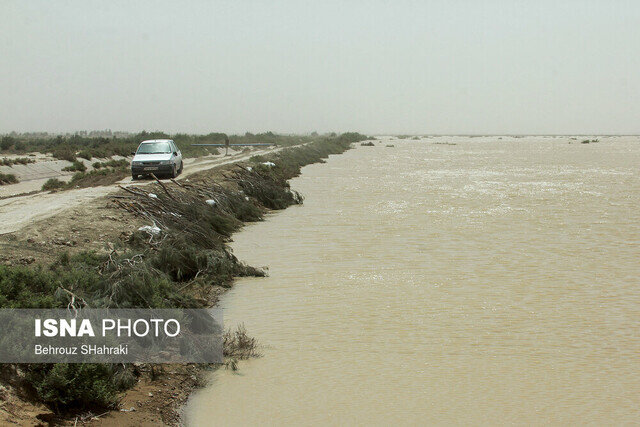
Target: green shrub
[23,160]
[77,165]
[257,159]
[7,178]
[85,154]
[22,287]
[52,184]
[70,385]
[119,285]
[64,152]
[267,189]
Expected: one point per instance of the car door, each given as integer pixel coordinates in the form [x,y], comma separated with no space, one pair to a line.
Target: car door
[179,156]
[177,159]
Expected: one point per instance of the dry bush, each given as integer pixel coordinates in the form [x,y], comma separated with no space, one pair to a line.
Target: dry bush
[239,345]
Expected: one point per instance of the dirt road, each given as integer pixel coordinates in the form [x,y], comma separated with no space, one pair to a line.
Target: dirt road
[17,212]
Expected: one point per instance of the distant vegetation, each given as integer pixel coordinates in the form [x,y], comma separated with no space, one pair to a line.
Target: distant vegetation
[87,146]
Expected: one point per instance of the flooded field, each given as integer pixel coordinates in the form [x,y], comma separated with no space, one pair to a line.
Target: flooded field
[492,281]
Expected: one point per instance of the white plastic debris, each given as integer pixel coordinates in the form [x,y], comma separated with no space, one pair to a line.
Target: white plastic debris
[246,198]
[153,196]
[151,229]
[249,168]
[270,164]
[211,202]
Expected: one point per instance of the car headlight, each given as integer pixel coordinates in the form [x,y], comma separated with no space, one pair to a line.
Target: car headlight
[164,162]
[136,163]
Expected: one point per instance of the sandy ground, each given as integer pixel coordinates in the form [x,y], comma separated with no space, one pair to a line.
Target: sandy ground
[19,211]
[33,175]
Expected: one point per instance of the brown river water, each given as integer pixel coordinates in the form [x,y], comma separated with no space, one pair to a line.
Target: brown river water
[493,281]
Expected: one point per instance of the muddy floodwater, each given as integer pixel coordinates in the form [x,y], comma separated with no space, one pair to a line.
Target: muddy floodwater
[492,281]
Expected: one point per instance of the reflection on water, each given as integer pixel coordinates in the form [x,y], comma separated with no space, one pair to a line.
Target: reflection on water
[492,281]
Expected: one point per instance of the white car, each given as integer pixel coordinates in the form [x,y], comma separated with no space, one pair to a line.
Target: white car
[158,157]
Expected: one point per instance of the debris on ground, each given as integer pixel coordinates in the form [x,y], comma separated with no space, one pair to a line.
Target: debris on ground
[153,230]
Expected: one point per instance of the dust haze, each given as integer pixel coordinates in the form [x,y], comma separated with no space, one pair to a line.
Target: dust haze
[543,67]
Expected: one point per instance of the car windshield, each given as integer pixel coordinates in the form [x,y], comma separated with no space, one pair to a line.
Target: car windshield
[154,148]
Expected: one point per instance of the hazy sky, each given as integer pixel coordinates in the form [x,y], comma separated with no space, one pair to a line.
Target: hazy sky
[450,66]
